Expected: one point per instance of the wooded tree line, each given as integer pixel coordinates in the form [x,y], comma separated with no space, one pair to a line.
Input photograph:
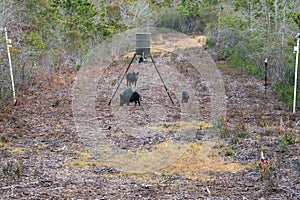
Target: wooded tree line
[49,35]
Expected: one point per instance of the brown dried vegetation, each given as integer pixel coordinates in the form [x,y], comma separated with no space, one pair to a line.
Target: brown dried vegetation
[42,157]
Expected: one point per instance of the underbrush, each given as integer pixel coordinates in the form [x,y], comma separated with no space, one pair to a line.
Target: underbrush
[286,93]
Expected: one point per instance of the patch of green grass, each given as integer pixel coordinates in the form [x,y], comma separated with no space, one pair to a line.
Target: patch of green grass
[3,138]
[12,170]
[234,140]
[229,152]
[237,137]
[19,170]
[255,70]
[286,93]
[243,134]
[287,139]
[262,123]
[268,132]
[78,66]
[264,149]
[222,125]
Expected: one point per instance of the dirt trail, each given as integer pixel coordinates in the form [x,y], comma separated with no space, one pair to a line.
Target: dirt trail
[42,156]
[180,70]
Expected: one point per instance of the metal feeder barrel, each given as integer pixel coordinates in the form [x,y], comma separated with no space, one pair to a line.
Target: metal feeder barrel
[143,44]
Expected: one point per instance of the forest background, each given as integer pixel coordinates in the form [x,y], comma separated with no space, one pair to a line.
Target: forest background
[50,35]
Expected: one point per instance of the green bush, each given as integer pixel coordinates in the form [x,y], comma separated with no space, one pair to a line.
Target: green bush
[255,70]
[286,93]
[236,138]
[287,139]
[229,152]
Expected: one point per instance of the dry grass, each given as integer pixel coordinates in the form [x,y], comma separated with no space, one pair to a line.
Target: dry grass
[196,161]
[179,126]
[172,42]
[203,158]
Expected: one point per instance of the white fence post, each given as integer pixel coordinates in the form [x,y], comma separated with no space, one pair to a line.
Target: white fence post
[8,44]
[296,49]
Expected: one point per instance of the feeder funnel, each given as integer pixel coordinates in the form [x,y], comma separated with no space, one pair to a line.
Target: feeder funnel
[143,44]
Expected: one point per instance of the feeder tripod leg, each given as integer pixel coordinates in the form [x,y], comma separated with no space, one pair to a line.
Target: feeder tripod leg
[161,79]
[121,80]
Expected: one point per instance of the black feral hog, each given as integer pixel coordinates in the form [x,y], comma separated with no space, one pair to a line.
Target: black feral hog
[135,97]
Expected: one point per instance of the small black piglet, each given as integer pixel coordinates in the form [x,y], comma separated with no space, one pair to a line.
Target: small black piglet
[135,97]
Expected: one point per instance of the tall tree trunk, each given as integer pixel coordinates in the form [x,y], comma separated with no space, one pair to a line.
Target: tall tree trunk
[250,16]
[219,23]
[267,24]
[276,14]
[282,44]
